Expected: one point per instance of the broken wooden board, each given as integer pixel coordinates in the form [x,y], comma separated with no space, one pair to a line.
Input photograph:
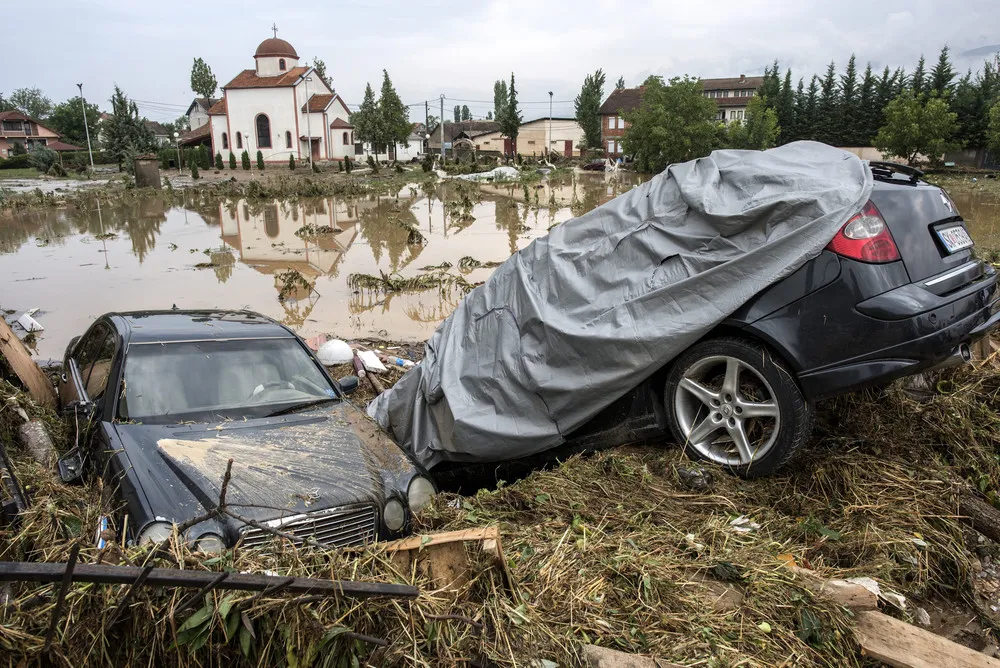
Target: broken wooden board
[842,592]
[595,656]
[19,359]
[903,645]
[444,557]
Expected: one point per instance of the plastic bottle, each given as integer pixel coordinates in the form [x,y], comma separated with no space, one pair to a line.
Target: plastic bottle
[398,361]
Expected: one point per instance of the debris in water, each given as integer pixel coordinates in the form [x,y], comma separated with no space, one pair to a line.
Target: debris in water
[310,232]
[468,263]
[386,283]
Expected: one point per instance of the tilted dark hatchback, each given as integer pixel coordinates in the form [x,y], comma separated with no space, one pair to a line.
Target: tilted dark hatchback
[898,290]
[163,400]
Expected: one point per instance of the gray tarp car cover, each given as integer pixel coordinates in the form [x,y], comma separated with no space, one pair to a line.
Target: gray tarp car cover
[579,317]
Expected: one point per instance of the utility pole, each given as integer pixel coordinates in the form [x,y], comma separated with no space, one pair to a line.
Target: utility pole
[427,121]
[308,124]
[441,122]
[83,105]
[550,127]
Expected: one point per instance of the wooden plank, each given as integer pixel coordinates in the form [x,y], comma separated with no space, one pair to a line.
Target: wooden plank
[21,571]
[903,645]
[848,594]
[461,536]
[443,557]
[20,362]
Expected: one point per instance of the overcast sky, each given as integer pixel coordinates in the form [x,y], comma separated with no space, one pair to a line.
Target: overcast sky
[460,49]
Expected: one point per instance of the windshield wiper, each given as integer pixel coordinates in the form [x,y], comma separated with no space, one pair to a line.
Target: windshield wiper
[298,407]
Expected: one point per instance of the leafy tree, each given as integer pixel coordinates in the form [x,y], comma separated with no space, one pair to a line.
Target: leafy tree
[125,133]
[466,114]
[31,102]
[588,108]
[499,99]
[42,158]
[367,120]
[827,122]
[457,112]
[232,160]
[620,83]
[260,161]
[204,159]
[245,160]
[320,68]
[993,129]
[942,75]
[785,109]
[218,161]
[5,104]
[918,80]
[848,115]
[489,115]
[915,127]
[884,92]
[759,130]
[203,82]
[770,88]
[971,100]
[67,120]
[395,115]
[807,118]
[798,114]
[194,170]
[182,124]
[291,162]
[674,123]
[510,122]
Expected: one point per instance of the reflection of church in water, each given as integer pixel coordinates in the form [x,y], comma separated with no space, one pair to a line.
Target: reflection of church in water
[264,234]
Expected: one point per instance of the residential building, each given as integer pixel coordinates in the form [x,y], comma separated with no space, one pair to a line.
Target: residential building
[16,128]
[413,149]
[197,113]
[461,130]
[162,136]
[621,101]
[281,109]
[562,136]
[731,95]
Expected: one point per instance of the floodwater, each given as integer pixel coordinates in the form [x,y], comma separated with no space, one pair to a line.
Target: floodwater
[75,265]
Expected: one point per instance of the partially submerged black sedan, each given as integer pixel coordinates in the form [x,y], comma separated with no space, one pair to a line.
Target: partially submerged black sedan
[171,396]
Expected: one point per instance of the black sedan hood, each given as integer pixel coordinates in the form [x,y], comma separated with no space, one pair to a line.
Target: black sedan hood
[322,458]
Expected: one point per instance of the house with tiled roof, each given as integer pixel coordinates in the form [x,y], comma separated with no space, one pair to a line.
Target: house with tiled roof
[160,133]
[281,109]
[17,128]
[197,112]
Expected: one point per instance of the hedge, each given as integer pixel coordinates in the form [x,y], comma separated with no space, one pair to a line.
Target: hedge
[15,162]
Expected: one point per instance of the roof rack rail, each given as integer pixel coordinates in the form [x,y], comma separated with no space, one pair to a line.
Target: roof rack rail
[887,169]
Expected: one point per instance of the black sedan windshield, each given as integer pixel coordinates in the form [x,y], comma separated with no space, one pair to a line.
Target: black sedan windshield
[171,382]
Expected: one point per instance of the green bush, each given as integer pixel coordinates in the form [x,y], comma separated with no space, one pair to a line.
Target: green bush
[245,159]
[315,167]
[42,158]
[291,161]
[372,164]
[19,161]
[19,149]
[260,161]
[218,161]
[204,159]
[427,164]
[340,166]
[348,164]
[232,160]
[56,170]
[194,169]
[164,155]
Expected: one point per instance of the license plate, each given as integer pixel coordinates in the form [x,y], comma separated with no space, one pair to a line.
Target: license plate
[954,238]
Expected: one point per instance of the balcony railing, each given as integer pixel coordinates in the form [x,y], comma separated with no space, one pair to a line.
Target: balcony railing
[17,132]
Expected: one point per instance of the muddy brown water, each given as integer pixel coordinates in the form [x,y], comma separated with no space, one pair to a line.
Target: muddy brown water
[76,265]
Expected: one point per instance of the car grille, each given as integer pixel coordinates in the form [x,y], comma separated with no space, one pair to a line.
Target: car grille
[336,527]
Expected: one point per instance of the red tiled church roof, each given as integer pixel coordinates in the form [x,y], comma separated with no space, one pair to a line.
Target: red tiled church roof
[218,109]
[250,79]
[318,103]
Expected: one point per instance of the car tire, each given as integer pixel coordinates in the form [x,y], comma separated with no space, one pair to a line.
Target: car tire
[733,402]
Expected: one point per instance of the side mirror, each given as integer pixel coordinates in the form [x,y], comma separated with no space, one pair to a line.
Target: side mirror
[69,347]
[84,410]
[71,466]
[348,384]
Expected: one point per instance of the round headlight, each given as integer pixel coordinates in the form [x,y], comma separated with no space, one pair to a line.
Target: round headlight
[420,493]
[210,543]
[156,532]
[393,515]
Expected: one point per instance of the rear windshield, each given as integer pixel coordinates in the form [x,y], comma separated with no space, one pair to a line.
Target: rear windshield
[174,382]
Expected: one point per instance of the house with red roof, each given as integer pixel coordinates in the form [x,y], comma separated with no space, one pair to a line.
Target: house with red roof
[281,109]
[17,128]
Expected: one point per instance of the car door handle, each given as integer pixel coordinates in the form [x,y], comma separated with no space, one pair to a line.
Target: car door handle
[64,378]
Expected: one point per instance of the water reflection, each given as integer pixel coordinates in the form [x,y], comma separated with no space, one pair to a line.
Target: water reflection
[77,263]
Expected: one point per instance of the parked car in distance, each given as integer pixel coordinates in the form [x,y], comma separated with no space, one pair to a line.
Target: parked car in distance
[164,399]
[897,291]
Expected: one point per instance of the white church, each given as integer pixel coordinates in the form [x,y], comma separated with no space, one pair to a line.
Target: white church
[280,108]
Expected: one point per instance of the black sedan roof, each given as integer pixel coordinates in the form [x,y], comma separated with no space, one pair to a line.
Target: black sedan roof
[167,326]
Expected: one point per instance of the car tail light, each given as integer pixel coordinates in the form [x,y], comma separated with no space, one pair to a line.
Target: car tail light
[865,237]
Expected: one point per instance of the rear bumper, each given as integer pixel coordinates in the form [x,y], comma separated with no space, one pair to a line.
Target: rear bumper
[930,331]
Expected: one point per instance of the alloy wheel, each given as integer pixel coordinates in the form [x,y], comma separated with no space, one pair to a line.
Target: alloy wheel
[726,410]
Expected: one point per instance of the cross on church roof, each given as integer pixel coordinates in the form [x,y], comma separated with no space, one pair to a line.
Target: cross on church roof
[274,27]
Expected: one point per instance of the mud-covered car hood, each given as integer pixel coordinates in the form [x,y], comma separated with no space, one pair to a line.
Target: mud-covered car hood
[302,462]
